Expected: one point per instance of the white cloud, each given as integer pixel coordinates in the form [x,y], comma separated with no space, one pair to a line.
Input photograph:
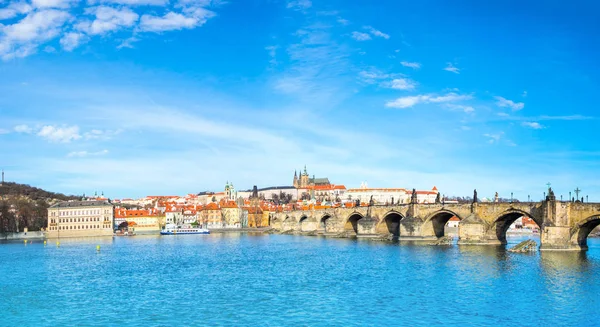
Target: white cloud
[37,26]
[132,2]
[534,125]
[175,21]
[108,19]
[60,134]
[451,68]
[14,9]
[66,21]
[403,84]
[502,102]
[63,4]
[466,109]
[377,33]
[72,40]
[524,94]
[299,4]
[413,65]
[22,38]
[23,129]
[405,102]
[82,154]
[359,36]
[409,101]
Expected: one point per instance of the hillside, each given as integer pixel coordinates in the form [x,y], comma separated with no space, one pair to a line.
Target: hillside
[26,206]
[33,193]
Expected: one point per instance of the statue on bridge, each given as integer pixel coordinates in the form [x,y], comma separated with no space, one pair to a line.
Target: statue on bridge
[551,196]
[413,197]
[438,198]
[392,200]
[475,200]
[371,202]
[358,202]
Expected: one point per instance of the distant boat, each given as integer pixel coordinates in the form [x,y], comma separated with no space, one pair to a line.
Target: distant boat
[175,230]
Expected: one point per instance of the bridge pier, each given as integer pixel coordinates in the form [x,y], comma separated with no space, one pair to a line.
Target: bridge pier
[558,239]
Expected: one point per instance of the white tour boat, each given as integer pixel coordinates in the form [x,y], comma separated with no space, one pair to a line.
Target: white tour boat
[172,229]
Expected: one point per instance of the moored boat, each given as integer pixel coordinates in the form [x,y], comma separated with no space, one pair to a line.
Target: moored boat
[175,230]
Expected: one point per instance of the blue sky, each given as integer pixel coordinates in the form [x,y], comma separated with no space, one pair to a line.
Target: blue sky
[137,97]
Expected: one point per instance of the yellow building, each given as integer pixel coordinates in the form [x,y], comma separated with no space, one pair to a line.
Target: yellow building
[143,221]
[80,219]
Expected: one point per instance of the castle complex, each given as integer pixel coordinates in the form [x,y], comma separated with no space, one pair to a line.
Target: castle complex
[304,181]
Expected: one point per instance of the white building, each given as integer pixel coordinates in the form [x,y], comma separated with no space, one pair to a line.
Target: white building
[388,195]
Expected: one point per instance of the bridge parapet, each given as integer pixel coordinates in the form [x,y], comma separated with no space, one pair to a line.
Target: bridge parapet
[563,225]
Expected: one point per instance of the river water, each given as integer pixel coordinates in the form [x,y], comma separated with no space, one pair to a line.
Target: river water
[278,280]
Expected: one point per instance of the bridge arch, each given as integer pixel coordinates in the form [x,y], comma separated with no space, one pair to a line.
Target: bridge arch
[437,221]
[352,222]
[580,233]
[324,222]
[507,218]
[390,224]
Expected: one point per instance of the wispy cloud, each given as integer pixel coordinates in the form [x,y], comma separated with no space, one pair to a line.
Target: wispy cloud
[466,109]
[410,101]
[360,36]
[272,50]
[23,129]
[376,32]
[570,117]
[534,125]
[299,4]
[413,65]
[82,154]
[503,103]
[494,138]
[343,21]
[451,68]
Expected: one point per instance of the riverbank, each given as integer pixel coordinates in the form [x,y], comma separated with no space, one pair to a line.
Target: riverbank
[21,236]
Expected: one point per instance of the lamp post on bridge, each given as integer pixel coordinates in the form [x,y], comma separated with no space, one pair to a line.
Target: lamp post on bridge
[511,197]
[586,199]
[528,198]
[570,196]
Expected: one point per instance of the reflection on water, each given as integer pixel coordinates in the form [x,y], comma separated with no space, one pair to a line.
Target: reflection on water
[234,279]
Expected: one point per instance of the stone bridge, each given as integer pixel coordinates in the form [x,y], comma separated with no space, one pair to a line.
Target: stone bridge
[563,225]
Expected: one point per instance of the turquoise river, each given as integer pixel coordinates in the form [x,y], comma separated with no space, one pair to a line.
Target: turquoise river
[235,279]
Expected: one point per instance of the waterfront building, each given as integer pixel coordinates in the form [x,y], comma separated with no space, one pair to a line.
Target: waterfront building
[231,214]
[255,216]
[211,216]
[142,221]
[453,222]
[80,219]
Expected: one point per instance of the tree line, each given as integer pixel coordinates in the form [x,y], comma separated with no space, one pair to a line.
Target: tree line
[23,206]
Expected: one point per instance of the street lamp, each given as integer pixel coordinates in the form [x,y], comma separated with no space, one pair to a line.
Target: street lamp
[511,197]
[528,198]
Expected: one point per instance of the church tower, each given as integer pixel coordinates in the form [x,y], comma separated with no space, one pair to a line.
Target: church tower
[304,179]
[295,179]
